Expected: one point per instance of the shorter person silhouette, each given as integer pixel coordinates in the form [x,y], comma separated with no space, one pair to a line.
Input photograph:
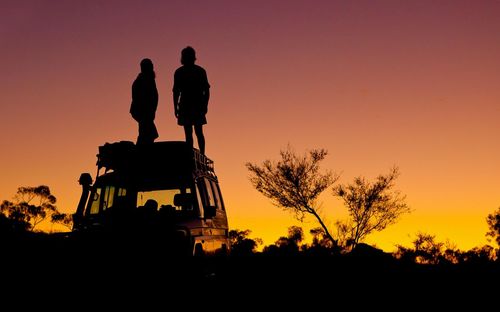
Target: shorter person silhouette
[151,206]
[191,95]
[145,102]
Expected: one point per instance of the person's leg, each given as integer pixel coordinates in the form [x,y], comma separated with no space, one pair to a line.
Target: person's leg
[147,132]
[154,132]
[188,131]
[140,137]
[198,129]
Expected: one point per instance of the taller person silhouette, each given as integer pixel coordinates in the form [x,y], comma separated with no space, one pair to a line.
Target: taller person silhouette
[191,95]
[145,102]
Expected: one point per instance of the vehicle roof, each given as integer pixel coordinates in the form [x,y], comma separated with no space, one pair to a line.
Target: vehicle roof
[159,158]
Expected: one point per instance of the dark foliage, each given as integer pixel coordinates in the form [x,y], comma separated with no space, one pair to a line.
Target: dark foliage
[241,244]
[493,221]
[31,206]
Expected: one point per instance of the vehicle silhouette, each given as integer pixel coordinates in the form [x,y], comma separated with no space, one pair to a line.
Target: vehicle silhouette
[164,192]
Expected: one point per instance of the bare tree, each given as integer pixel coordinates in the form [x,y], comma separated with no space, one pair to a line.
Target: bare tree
[294,182]
[372,206]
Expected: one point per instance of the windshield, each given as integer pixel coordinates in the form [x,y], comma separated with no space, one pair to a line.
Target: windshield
[176,199]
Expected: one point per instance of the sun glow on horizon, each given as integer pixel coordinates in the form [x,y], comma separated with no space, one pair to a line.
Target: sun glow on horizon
[412,84]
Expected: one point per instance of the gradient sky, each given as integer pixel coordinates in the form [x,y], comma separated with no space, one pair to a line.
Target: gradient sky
[376,83]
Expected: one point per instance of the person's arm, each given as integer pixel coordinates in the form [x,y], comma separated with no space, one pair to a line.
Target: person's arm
[155,99]
[134,106]
[176,94]
[176,103]
[206,93]
[207,98]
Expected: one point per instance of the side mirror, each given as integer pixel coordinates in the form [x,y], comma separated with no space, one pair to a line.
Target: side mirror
[85,179]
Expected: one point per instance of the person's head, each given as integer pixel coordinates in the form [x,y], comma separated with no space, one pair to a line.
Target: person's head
[188,56]
[151,205]
[147,66]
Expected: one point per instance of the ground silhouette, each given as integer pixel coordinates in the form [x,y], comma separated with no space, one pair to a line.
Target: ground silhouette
[120,267]
[137,270]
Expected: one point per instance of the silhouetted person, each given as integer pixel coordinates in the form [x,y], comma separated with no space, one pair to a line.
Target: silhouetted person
[151,206]
[191,94]
[145,102]
[147,216]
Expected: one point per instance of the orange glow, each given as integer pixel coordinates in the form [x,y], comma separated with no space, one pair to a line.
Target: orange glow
[412,84]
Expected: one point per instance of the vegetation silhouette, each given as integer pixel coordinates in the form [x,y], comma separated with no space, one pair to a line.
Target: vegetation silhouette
[241,244]
[63,219]
[294,183]
[134,265]
[31,206]
[11,226]
[132,255]
[287,245]
[191,94]
[493,221]
[372,207]
[427,250]
[145,102]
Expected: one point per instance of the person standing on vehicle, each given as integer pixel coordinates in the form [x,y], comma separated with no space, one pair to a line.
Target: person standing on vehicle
[191,93]
[145,102]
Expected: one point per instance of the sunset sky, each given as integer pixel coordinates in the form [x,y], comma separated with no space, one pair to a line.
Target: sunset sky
[414,84]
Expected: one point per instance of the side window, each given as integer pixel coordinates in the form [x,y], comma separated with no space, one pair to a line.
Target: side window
[122,192]
[201,199]
[209,193]
[217,195]
[203,191]
[109,193]
[96,199]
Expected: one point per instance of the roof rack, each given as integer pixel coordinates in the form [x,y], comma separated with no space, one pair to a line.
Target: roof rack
[203,163]
[170,154]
